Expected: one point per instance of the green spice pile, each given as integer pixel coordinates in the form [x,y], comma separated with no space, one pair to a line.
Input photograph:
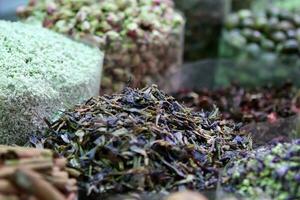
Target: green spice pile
[28,173]
[143,140]
[275,170]
[40,72]
[276,31]
[142,39]
[260,104]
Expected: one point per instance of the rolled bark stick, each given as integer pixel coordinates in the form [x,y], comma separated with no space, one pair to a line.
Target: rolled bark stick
[7,188]
[60,162]
[8,197]
[34,184]
[60,174]
[35,174]
[23,152]
[71,196]
[73,172]
[7,171]
[29,161]
[32,198]
[64,185]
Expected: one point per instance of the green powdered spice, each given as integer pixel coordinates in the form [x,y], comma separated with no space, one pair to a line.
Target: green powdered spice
[273,170]
[40,71]
[142,39]
[143,140]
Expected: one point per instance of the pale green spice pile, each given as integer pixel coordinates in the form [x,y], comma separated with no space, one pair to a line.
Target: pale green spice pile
[41,71]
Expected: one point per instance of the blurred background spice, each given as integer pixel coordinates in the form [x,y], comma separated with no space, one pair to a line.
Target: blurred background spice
[260,104]
[142,40]
[275,30]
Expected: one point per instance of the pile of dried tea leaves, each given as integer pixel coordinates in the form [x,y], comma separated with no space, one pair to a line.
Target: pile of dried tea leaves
[37,174]
[274,169]
[259,104]
[144,140]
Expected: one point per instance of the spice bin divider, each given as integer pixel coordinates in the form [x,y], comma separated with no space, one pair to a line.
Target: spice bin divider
[203,27]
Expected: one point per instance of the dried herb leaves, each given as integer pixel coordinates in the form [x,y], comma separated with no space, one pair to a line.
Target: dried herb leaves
[144,140]
[259,104]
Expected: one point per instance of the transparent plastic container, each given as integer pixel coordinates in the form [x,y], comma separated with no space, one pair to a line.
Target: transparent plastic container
[143,62]
[203,27]
[143,41]
[219,73]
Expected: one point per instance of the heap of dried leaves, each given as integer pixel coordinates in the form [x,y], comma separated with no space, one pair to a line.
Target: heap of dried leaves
[260,104]
[144,140]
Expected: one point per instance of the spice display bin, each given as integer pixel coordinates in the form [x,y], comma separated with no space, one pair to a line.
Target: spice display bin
[204,19]
[143,41]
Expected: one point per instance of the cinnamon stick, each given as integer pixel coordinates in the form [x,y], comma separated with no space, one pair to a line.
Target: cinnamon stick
[7,188]
[7,171]
[34,184]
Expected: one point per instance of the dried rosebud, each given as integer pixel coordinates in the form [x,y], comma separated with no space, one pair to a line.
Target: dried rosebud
[81,16]
[85,26]
[51,8]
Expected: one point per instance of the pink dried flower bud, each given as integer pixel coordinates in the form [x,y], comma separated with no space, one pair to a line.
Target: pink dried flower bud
[21,10]
[51,8]
[32,2]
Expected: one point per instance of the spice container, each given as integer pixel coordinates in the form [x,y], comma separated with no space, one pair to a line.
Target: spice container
[28,173]
[144,140]
[268,39]
[142,39]
[203,27]
[41,72]
[220,73]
